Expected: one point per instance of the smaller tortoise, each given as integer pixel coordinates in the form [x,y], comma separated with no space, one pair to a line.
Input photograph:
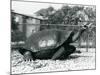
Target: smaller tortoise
[51,44]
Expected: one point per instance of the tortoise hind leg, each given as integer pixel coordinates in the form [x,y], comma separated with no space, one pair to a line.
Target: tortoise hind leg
[28,56]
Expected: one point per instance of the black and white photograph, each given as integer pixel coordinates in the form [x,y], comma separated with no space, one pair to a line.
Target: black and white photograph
[52,37]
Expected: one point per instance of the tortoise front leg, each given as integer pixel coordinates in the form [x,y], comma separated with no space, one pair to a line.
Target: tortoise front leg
[64,52]
[60,51]
[69,50]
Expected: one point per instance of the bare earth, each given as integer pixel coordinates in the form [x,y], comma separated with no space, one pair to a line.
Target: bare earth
[82,61]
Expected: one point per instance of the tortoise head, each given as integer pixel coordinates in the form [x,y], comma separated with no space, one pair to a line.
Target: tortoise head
[87,26]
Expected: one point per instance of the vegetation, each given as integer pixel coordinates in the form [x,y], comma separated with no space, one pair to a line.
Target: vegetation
[68,14]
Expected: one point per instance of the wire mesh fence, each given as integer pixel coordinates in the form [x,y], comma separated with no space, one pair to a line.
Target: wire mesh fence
[87,40]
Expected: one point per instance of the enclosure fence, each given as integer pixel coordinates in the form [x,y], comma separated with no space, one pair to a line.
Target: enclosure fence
[87,40]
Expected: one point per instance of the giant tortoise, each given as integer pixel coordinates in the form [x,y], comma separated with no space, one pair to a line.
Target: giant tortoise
[51,44]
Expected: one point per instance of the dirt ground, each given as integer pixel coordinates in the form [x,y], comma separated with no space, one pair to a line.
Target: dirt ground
[82,61]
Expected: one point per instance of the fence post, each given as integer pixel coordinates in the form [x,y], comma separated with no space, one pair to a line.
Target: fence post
[24,27]
[87,44]
[80,40]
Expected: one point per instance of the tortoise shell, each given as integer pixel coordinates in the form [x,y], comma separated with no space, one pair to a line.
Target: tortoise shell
[46,39]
